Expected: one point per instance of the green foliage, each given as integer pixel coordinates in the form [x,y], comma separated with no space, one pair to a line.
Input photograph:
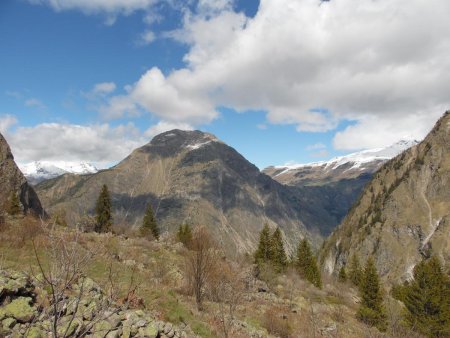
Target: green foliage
[149,225]
[355,271]
[342,275]
[371,310]
[307,265]
[427,299]
[263,253]
[13,207]
[103,211]
[278,254]
[184,234]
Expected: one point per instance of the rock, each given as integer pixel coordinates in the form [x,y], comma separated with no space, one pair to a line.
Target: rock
[167,328]
[35,332]
[150,331]
[141,323]
[126,332]
[101,329]
[113,334]
[8,323]
[20,309]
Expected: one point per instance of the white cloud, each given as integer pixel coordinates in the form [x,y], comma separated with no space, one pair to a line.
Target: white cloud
[316,146]
[98,6]
[6,122]
[104,88]
[147,38]
[380,63]
[33,102]
[320,154]
[100,143]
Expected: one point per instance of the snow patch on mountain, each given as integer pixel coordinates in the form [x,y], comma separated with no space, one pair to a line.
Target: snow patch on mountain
[357,160]
[39,171]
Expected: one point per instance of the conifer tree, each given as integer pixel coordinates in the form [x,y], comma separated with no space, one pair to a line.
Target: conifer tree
[354,271]
[263,253]
[427,299]
[307,264]
[14,205]
[149,225]
[103,211]
[371,310]
[342,275]
[184,234]
[278,255]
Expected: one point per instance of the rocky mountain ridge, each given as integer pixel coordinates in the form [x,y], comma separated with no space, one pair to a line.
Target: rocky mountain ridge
[403,213]
[12,181]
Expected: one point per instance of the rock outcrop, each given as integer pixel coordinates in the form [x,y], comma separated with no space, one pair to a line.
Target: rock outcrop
[22,315]
[12,181]
[403,214]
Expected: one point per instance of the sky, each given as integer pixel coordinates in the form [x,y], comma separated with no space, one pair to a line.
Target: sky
[286,81]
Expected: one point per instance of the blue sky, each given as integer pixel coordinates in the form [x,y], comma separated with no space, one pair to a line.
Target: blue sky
[81,80]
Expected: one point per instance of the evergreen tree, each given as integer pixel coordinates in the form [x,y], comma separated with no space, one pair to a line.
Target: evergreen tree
[342,275]
[149,225]
[427,299]
[14,205]
[371,310]
[103,211]
[354,271]
[184,234]
[278,255]
[307,264]
[263,253]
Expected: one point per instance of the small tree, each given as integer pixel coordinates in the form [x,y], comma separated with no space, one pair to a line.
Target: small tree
[371,310]
[184,234]
[103,211]
[263,253]
[278,254]
[427,299]
[13,207]
[307,264]
[149,225]
[342,275]
[355,271]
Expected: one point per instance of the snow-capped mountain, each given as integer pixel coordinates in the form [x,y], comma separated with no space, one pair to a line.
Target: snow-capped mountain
[39,171]
[342,167]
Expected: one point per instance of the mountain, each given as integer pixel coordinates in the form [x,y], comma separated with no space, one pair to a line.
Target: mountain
[12,181]
[403,214]
[189,176]
[39,171]
[339,168]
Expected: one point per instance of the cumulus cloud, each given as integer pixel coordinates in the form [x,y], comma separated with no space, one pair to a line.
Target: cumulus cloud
[316,146]
[102,144]
[382,64]
[147,38]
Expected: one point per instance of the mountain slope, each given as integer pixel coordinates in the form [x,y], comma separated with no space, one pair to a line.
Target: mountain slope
[403,214]
[334,186]
[39,171]
[13,181]
[188,177]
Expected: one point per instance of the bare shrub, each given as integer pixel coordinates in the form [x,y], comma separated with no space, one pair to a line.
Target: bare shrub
[200,260]
[276,322]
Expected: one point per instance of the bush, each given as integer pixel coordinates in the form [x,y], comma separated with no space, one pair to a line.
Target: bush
[276,322]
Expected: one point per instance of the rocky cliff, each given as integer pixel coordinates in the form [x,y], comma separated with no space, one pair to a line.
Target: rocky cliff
[190,176]
[12,181]
[403,214]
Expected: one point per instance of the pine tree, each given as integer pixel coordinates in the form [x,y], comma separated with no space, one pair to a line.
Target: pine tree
[184,234]
[149,225]
[355,271]
[307,264]
[103,211]
[278,255]
[14,205]
[263,253]
[342,275]
[371,310]
[427,299]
